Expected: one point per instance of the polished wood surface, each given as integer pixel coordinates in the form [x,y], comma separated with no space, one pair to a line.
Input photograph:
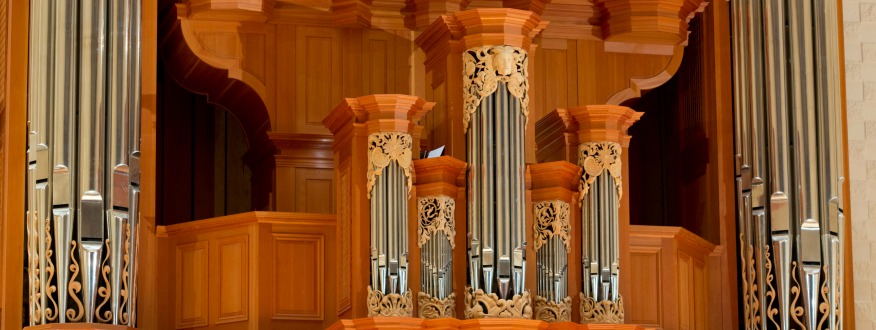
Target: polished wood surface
[255,270]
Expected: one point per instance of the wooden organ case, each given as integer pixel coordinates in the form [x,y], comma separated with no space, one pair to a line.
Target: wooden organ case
[524,222]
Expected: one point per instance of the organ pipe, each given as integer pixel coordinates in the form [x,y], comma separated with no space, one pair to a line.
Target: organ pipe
[787,104]
[495,114]
[83,137]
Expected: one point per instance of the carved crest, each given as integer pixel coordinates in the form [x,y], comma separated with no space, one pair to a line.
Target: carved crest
[595,157]
[605,311]
[385,147]
[485,67]
[550,311]
[551,220]
[392,304]
[434,308]
[478,304]
[435,215]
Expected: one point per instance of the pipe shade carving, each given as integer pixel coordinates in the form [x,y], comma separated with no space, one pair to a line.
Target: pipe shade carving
[789,158]
[83,161]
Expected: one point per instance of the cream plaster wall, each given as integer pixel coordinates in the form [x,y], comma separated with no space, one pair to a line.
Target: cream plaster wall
[859,18]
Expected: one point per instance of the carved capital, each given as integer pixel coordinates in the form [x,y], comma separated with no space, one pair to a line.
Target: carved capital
[434,308]
[647,22]
[551,220]
[597,123]
[550,311]
[392,304]
[481,305]
[487,66]
[596,157]
[605,311]
[384,148]
[435,216]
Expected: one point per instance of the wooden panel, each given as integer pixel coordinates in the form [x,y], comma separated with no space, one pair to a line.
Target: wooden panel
[298,277]
[233,286]
[318,77]
[647,285]
[377,56]
[314,190]
[700,298]
[685,291]
[191,285]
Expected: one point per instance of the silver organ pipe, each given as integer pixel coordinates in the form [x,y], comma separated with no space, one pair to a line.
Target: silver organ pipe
[436,232]
[786,85]
[82,196]
[389,183]
[495,89]
[552,243]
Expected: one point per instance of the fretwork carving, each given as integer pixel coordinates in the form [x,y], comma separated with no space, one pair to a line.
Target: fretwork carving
[436,216]
[595,157]
[484,67]
[552,220]
[392,304]
[605,311]
[433,308]
[550,311]
[385,147]
[481,305]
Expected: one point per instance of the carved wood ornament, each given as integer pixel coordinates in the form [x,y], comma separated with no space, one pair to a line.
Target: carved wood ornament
[605,311]
[481,305]
[549,311]
[485,67]
[392,304]
[385,147]
[596,157]
[436,216]
[552,220]
[434,308]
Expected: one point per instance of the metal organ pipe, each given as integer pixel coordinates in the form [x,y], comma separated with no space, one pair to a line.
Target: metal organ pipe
[83,160]
[799,111]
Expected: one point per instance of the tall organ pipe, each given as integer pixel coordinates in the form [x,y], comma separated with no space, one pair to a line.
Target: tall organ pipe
[83,115]
[800,108]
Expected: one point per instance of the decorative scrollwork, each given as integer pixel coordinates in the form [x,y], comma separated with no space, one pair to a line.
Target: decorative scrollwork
[754,286]
[744,260]
[124,292]
[552,220]
[796,311]
[478,304]
[485,67]
[771,291]
[434,308]
[435,215]
[74,287]
[50,313]
[596,157]
[550,311]
[104,291]
[605,311]
[33,266]
[385,147]
[392,304]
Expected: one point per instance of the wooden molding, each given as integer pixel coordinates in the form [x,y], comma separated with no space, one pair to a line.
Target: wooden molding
[559,174]
[556,137]
[639,85]
[437,176]
[380,113]
[609,123]
[662,22]
[535,6]
[427,11]
[224,10]
[351,13]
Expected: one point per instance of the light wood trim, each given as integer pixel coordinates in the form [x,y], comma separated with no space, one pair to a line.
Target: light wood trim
[243,219]
[223,285]
[641,85]
[201,278]
[318,241]
[848,308]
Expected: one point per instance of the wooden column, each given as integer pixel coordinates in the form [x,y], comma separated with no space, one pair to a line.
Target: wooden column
[434,179]
[447,38]
[351,123]
[609,124]
[554,184]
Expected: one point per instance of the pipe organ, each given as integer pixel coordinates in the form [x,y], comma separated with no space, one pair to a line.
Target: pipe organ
[83,161]
[788,162]
[495,91]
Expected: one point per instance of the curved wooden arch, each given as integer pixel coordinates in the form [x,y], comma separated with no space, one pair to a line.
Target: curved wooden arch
[640,85]
[228,89]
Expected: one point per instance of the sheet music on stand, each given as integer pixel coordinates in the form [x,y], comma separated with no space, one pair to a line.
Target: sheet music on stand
[434,153]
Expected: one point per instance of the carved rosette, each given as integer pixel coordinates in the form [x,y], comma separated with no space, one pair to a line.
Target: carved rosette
[436,216]
[478,304]
[595,157]
[549,311]
[552,220]
[434,308]
[605,311]
[485,67]
[392,304]
[385,147]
